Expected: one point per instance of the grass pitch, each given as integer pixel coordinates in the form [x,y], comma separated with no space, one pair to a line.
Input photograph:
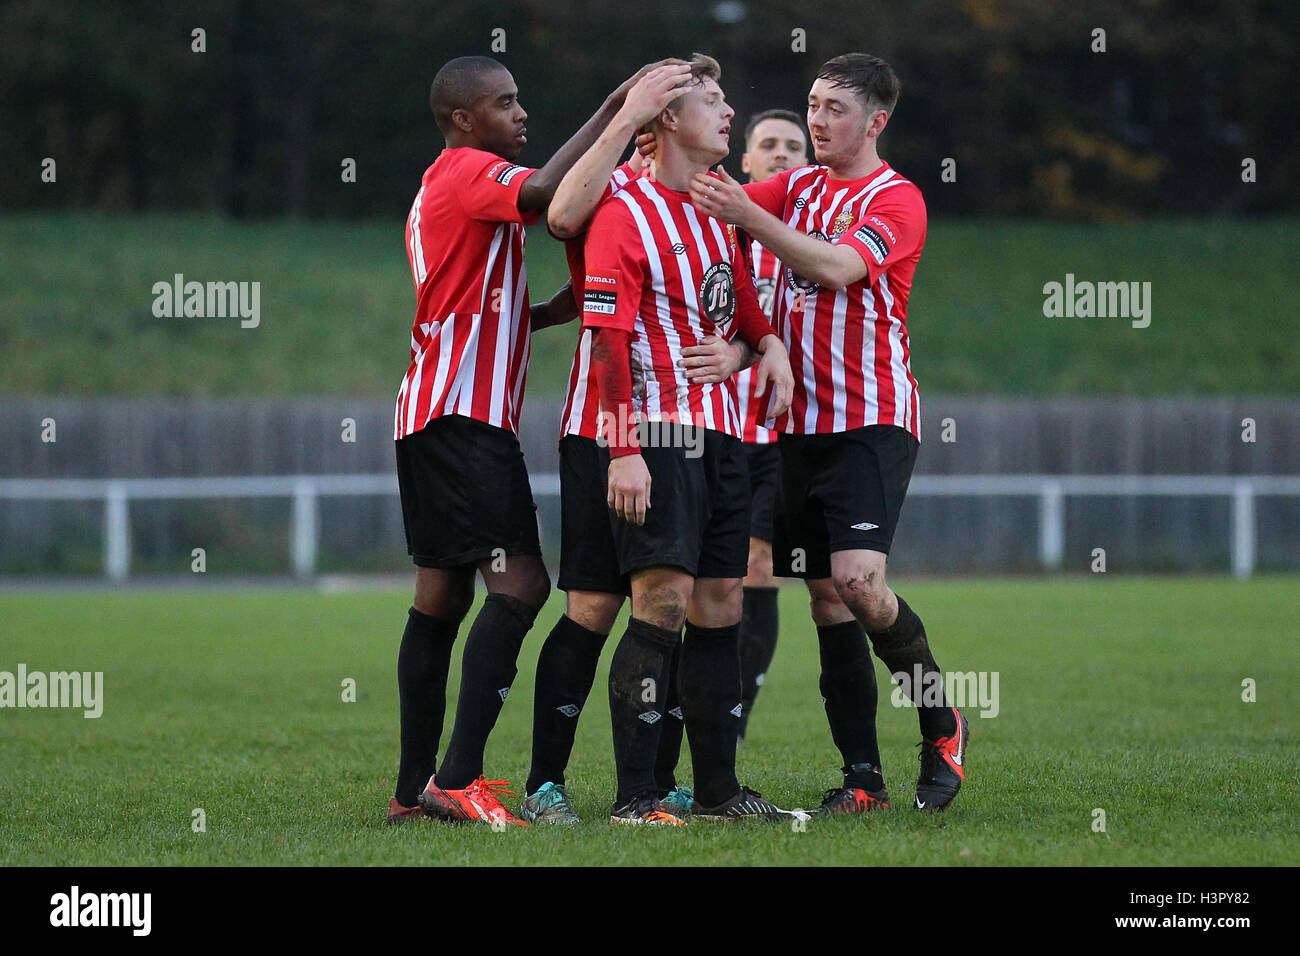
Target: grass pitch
[1123,695]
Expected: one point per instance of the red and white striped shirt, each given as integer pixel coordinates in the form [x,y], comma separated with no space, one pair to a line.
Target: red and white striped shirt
[581,415]
[670,276]
[849,347]
[469,341]
[764,268]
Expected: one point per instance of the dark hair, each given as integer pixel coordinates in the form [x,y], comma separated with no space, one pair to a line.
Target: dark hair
[787,115]
[457,85]
[871,78]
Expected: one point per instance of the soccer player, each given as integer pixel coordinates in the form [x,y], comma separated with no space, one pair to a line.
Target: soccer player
[466,500]
[659,278]
[589,575]
[850,232]
[774,142]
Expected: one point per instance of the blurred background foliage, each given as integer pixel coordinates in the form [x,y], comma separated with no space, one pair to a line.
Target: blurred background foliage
[258,125]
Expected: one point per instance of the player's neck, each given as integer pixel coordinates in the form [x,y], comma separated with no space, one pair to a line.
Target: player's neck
[863,164]
[676,168]
[458,140]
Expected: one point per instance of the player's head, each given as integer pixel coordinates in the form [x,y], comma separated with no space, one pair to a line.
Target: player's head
[774,142]
[849,104]
[476,103]
[699,121]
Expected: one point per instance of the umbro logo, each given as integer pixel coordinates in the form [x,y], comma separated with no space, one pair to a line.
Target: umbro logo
[503,693]
[864,526]
[677,712]
[800,203]
[650,716]
[568,710]
[678,248]
[737,710]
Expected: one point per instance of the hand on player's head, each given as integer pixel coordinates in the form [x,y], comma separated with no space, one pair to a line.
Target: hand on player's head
[655,90]
[620,94]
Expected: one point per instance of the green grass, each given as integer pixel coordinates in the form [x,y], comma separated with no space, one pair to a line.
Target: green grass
[1123,695]
[337,303]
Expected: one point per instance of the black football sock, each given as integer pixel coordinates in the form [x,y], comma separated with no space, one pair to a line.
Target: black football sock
[638,684]
[670,737]
[422,664]
[903,647]
[486,672]
[758,628]
[848,686]
[708,681]
[566,669]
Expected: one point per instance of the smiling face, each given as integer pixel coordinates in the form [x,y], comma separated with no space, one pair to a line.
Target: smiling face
[497,118]
[839,123]
[701,122]
[774,146]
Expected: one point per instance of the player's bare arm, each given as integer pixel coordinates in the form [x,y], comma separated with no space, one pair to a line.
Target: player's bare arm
[580,190]
[559,309]
[628,488]
[829,265]
[536,194]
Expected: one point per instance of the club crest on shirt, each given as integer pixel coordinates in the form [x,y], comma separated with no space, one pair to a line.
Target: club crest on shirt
[841,223]
[718,296]
[796,281]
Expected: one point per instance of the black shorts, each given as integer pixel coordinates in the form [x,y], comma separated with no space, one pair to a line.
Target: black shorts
[699,505]
[764,463]
[588,560]
[465,493]
[842,491]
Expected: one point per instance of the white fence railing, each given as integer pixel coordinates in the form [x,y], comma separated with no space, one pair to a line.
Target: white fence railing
[306,490]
